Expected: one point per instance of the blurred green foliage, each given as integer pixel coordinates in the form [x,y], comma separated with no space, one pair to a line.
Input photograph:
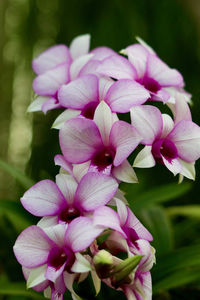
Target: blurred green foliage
[170,211]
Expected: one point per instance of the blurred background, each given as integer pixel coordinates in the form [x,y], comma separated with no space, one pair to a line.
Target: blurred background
[28,145]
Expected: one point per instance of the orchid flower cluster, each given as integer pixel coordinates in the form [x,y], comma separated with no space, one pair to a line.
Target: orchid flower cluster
[86,225]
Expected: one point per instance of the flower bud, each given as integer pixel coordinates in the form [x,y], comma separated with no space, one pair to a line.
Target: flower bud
[121,272]
[103,262]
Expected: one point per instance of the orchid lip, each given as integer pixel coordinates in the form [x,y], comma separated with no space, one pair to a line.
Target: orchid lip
[57,257]
[69,214]
[89,110]
[164,148]
[151,84]
[60,256]
[103,159]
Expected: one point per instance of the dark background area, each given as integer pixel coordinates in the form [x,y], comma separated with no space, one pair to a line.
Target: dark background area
[27,27]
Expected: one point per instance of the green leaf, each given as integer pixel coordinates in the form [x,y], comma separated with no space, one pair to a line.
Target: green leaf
[177,279]
[178,267]
[158,223]
[191,211]
[24,180]
[19,289]
[15,213]
[157,195]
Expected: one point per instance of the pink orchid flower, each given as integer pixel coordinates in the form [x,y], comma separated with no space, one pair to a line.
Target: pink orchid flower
[66,199]
[86,92]
[47,254]
[145,67]
[103,142]
[176,145]
[59,65]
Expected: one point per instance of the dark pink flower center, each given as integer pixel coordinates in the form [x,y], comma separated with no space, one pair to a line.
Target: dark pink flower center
[166,148]
[57,258]
[89,109]
[103,159]
[69,214]
[151,84]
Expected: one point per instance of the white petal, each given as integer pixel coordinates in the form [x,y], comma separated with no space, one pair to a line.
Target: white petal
[168,125]
[80,46]
[64,116]
[81,264]
[36,105]
[78,64]
[68,185]
[125,173]
[144,159]
[188,169]
[79,170]
[103,119]
[36,276]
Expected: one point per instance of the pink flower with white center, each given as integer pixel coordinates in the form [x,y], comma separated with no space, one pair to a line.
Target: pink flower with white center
[102,142]
[66,199]
[85,93]
[176,145]
[46,254]
[59,65]
[143,66]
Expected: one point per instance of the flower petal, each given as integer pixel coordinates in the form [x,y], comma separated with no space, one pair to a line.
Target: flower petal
[78,64]
[188,169]
[53,273]
[186,137]
[104,85]
[48,83]
[81,233]
[59,160]
[32,247]
[174,166]
[164,75]
[147,120]
[107,218]
[101,53]
[80,170]
[117,67]
[51,58]
[65,116]
[104,120]
[81,264]
[125,173]
[57,233]
[67,185]
[79,139]
[43,199]
[168,125]
[79,92]
[80,45]
[180,110]
[124,94]
[36,105]
[133,222]
[50,104]
[90,68]
[144,159]
[95,190]
[36,276]
[124,138]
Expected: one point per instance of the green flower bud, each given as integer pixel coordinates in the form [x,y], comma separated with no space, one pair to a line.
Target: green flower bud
[103,262]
